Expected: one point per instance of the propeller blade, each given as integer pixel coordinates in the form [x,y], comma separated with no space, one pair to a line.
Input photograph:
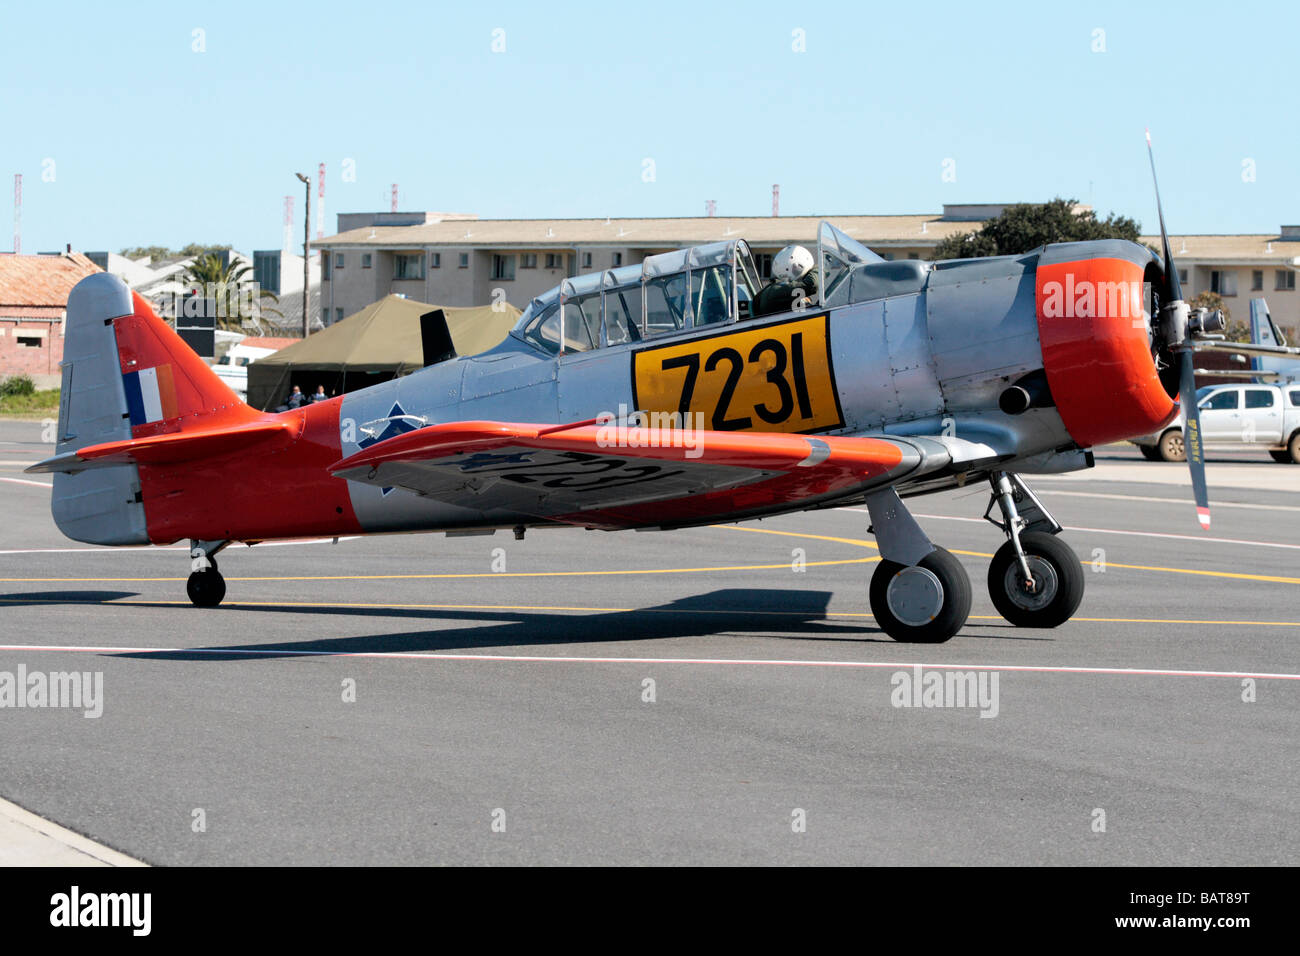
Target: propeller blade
[1171,271]
[1192,437]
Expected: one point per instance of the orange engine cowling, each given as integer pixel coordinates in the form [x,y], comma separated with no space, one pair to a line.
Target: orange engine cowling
[1095,340]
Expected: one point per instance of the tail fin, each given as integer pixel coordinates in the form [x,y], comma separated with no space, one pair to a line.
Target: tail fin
[126,375]
[167,387]
[1262,329]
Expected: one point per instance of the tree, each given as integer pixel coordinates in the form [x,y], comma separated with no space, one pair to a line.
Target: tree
[228,285]
[162,252]
[1027,226]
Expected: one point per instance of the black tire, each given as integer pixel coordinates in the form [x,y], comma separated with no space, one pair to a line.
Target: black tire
[205,588]
[952,614]
[1281,456]
[1149,452]
[1064,582]
[1171,446]
[1293,448]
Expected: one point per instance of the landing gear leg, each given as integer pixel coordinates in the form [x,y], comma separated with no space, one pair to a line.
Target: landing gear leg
[206,587]
[1035,578]
[920,593]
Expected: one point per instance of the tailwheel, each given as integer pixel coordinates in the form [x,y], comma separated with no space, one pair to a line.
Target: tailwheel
[206,588]
[923,604]
[1057,575]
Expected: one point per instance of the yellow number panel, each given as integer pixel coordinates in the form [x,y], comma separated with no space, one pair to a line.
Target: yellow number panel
[773,378]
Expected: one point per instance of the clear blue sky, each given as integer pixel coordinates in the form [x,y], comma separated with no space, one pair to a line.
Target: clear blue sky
[153,143]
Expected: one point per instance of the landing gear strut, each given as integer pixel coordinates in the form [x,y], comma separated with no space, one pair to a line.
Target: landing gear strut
[920,593]
[1035,578]
[205,586]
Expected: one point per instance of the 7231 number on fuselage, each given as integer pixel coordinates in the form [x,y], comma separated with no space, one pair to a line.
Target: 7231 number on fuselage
[775,378]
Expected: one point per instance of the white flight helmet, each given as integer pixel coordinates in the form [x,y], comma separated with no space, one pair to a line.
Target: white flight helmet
[791,264]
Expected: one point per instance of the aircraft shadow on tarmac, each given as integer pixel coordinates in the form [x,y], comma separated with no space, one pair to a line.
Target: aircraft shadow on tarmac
[796,614]
[37,598]
[783,614]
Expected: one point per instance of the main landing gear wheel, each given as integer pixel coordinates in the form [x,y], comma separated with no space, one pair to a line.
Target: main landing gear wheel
[1058,581]
[925,604]
[206,588]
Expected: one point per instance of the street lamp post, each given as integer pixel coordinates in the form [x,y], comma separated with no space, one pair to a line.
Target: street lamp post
[306,254]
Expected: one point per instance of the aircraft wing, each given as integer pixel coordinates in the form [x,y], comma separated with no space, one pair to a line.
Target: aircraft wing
[612,475]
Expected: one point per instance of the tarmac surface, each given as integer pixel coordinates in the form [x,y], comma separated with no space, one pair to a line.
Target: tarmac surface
[502,709]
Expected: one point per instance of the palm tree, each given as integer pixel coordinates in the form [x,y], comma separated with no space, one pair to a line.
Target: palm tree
[225,283]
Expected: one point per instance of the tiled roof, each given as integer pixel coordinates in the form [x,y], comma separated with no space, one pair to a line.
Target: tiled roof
[267,341]
[1226,249]
[290,308]
[39,285]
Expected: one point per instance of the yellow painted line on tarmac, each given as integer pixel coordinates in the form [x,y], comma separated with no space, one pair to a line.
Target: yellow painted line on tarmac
[859,542]
[1276,578]
[784,566]
[1237,575]
[856,542]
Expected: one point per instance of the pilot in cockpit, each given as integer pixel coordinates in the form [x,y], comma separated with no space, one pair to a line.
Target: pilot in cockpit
[793,285]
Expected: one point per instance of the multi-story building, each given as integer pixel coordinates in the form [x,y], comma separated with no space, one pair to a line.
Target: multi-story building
[458,260]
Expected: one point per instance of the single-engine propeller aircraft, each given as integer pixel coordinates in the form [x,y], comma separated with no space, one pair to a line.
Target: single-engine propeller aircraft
[667,395]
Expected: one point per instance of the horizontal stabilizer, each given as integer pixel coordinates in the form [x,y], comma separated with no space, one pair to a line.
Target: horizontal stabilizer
[170,448]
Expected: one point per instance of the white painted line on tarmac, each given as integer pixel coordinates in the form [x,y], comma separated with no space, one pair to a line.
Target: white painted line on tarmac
[28,481]
[1181,502]
[1138,534]
[710,661]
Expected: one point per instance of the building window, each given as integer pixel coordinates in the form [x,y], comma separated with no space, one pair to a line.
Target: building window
[266,270]
[1223,282]
[554,260]
[1285,280]
[338,260]
[764,263]
[29,341]
[338,315]
[325,260]
[618,259]
[503,267]
[464,260]
[1257,280]
[1182,276]
[408,266]
[435,260]
[528,260]
[586,260]
[366,259]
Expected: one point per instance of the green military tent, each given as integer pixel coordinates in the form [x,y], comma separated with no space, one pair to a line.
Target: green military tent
[380,342]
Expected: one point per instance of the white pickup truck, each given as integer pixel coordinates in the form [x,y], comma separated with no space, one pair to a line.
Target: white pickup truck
[1260,416]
